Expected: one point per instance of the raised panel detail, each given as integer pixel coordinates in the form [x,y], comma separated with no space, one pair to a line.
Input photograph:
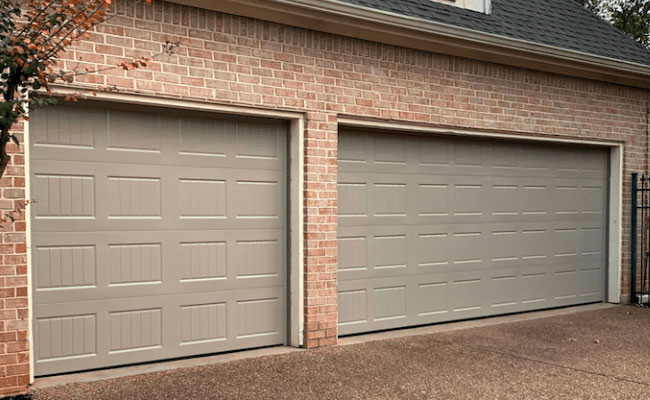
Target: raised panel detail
[390,251]
[591,282]
[390,150]
[433,200]
[257,199]
[567,199]
[204,136]
[433,298]
[135,263]
[202,198]
[534,157]
[135,330]
[203,260]
[532,244]
[463,296]
[256,140]
[433,152]
[468,153]
[390,199]
[257,317]
[203,323]
[534,199]
[352,253]
[432,250]
[466,248]
[505,155]
[139,132]
[64,197]
[353,199]
[504,290]
[390,303]
[134,197]
[504,199]
[593,162]
[65,337]
[352,307]
[468,199]
[592,200]
[257,258]
[64,267]
[71,128]
[352,148]
[565,158]
[590,243]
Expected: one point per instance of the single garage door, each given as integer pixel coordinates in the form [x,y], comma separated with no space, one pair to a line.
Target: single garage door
[435,229]
[155,235]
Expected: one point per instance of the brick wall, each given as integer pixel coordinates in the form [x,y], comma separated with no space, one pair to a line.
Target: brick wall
[320,229]
[14,314]
[235,60]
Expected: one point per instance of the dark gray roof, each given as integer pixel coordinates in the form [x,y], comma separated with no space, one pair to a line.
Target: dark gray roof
[559,23]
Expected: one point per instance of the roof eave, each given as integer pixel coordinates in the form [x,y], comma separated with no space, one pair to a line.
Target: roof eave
[370,24]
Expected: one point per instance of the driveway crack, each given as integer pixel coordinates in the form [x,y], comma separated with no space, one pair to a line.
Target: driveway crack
[594,373]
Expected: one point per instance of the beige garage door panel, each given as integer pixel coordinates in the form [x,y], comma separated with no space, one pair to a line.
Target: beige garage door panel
[139,329]
[137,197]
[114,136]
[107,265]
[434,229]
[155,235]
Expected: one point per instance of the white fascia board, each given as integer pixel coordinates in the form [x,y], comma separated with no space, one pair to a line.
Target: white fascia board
[345,9]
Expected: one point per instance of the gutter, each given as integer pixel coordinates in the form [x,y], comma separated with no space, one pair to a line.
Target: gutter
[337,17]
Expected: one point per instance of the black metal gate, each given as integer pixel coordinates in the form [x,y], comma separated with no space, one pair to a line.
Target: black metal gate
[640,239]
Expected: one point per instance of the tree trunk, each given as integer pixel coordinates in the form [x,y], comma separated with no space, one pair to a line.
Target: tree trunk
[4,157]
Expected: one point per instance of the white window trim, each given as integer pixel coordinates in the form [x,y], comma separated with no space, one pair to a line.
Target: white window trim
[482,6]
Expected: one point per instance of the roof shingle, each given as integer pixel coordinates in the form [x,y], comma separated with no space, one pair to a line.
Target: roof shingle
[559,23]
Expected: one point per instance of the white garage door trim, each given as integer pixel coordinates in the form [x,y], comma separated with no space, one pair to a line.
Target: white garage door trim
[615,238]
[294,196]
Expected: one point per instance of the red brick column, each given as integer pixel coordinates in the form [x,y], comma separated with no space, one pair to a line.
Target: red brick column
[14,311]
[320,230]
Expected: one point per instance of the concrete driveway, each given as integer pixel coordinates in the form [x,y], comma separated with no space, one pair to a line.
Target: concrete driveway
[603,354]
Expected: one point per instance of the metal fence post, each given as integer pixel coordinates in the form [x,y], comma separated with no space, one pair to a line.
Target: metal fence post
[633,237]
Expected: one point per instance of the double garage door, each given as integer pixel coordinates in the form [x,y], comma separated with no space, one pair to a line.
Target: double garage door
[158,234]
[436,229]
[155,235]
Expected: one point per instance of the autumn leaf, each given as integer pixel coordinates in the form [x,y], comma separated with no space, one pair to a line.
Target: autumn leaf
[36,35]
